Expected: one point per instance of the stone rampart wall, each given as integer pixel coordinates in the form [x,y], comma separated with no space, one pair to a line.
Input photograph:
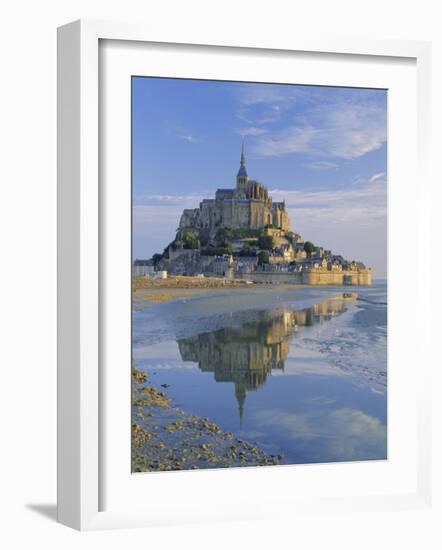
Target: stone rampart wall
[314,277]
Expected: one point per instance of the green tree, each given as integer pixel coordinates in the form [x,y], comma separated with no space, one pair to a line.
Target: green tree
[309,247]
[191,241]
[245,232]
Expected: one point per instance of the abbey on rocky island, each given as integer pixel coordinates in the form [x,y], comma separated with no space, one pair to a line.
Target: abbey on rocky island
[242,233]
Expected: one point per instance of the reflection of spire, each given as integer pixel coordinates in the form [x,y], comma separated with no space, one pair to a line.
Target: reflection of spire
[247,353]
[240,393]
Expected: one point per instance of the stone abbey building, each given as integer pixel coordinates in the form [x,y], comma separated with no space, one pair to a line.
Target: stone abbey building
[247,206]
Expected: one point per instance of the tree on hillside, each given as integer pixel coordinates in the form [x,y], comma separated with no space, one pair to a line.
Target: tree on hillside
[191,241]
[309,247]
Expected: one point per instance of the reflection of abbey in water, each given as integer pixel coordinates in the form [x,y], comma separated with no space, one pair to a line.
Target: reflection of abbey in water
[246,354]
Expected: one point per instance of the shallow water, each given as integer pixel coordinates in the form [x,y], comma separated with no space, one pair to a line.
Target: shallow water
[289,368]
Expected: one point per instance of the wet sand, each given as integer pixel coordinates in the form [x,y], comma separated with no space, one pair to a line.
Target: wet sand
[145,297]
[146,291]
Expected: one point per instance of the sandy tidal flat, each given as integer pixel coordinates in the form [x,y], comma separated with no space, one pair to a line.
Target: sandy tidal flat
[147,291]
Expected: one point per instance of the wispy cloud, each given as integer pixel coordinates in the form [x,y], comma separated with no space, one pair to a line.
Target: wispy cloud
[321,165]
[189,138]
[309,122]
[148,218]
[241,114]
[273,96]
[265,105]
[341,130]
[251,131]
[190,200]
[377,177]
[369,191]
[360,205]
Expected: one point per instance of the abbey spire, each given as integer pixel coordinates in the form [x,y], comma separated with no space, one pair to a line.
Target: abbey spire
[242,172]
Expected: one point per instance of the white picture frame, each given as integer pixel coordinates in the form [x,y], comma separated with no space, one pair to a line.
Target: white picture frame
[80,294]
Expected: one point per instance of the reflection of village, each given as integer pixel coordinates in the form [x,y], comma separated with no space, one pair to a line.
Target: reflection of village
[247,354]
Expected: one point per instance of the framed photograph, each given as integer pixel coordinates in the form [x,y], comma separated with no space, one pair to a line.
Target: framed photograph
[243,242]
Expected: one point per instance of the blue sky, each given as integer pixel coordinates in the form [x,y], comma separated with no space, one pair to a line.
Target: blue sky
[322,149]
